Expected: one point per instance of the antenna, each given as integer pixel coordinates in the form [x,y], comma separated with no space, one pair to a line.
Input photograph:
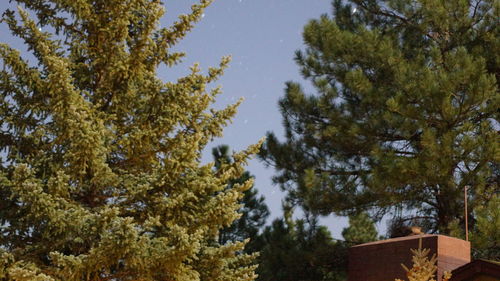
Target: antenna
[466,215]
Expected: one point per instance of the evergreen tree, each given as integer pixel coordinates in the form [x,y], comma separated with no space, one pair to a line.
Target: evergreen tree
[405,115]
[361,229]
[485,231]
[301,250]
[253,211]
[100,177]
[485,235]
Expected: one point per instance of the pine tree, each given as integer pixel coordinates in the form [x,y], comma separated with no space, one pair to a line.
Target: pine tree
[361,229]
[485,231]
[301,250]
[100,176]
[304,250]
[253,211]
[405,113]
[485,235]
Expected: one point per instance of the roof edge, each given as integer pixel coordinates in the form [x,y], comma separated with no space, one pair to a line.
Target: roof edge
[405,238]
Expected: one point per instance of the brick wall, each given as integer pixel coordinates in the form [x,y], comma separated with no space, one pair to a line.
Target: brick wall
[381,260]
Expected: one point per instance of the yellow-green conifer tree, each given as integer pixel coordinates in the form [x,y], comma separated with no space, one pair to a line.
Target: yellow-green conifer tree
[100,176]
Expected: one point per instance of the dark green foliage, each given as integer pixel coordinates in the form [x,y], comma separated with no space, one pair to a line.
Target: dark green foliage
[254,211]
[301,251]
[486,233]
[360,230]
[405,113]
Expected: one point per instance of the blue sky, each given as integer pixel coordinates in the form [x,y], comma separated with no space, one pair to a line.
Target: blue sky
[261,36]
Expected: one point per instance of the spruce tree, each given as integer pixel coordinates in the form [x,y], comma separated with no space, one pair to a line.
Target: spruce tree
[404,114]
[100,176]
[253,210]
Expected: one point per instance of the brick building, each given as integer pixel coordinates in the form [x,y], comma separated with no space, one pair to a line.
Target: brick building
[381,260]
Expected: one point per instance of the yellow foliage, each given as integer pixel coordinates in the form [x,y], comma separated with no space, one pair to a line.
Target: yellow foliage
[100,169]
[423,269]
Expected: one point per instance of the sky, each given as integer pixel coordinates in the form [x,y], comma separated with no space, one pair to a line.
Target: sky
[262,37]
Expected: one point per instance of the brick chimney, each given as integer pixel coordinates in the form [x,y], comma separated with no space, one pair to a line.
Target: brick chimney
[381,260]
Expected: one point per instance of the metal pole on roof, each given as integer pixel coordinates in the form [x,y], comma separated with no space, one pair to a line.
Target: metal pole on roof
[466,215]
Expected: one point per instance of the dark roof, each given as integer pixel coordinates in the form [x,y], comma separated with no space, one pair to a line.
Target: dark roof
[477,267]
